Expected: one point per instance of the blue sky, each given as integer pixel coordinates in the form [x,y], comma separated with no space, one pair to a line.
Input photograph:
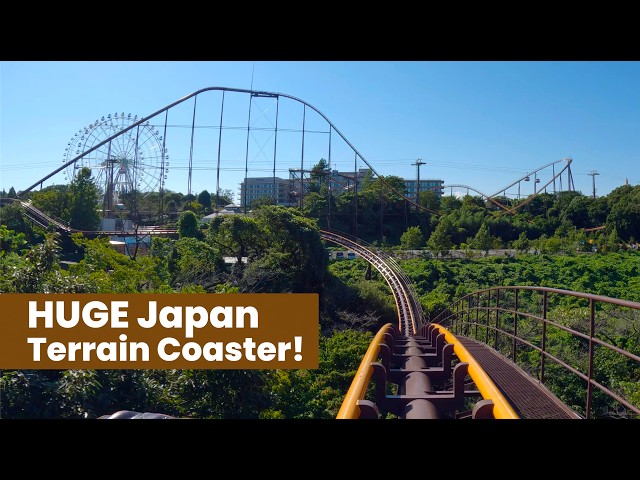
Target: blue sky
[483,124]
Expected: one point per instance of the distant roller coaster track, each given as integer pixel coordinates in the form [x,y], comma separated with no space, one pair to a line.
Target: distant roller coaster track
[526,177]
[46,221]
[253,93]
[258,93]
[492,200]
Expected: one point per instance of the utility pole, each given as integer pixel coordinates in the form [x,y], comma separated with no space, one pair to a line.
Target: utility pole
[593,177]
[417,164]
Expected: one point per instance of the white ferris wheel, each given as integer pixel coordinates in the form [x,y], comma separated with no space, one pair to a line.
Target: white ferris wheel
[134,161]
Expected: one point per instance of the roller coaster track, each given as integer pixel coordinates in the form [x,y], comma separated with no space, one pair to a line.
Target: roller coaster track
[454,373]
[518,321]
[445,367]
[441,368]
[410,320]
[409,314]
[46,221]
[567,168]
[253,93]
[466,362]
[528,199]
[491,199]
[444,373]
[423,354]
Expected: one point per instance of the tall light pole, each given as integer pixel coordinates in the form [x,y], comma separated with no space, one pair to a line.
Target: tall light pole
[417,164]
[593,178]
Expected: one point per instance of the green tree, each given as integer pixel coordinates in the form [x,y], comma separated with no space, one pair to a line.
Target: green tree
[38,272]
[104,270]
[10,241]
[316,206]
[430,200]
[449,204]
[175,196]
[12,216]
[224,197]
[473,203]
[394,185]
[624,216]
[412,239]
[598,211]
[291,254]
[613,241]
[264,200]
[12,193]
[193,206]
[319,393]
[482,240]
[196,263]
[541,243]
[522,243]
[188,225]
[84,200]
[553,245]
[318,175]
[577,212]
[439,241]
[171,208]
[204,199]
[236,236]
[55,201]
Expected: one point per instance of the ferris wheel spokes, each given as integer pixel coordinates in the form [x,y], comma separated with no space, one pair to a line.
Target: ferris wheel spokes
[133,161]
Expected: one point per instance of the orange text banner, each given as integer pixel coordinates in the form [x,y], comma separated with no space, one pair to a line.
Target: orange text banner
[159,331]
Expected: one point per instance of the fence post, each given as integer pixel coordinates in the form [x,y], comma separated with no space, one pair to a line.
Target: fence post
[515,327]
[495,340]
[486,332]
[544,334]
[592,327]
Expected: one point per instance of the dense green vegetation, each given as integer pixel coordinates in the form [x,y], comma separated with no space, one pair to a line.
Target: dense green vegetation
[558,222]
[614,274]
[285,254]
[561,222]
[565,240]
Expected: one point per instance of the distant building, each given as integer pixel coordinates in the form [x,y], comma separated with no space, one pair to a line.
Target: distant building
[288,191]
[255,188]
[436,186]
